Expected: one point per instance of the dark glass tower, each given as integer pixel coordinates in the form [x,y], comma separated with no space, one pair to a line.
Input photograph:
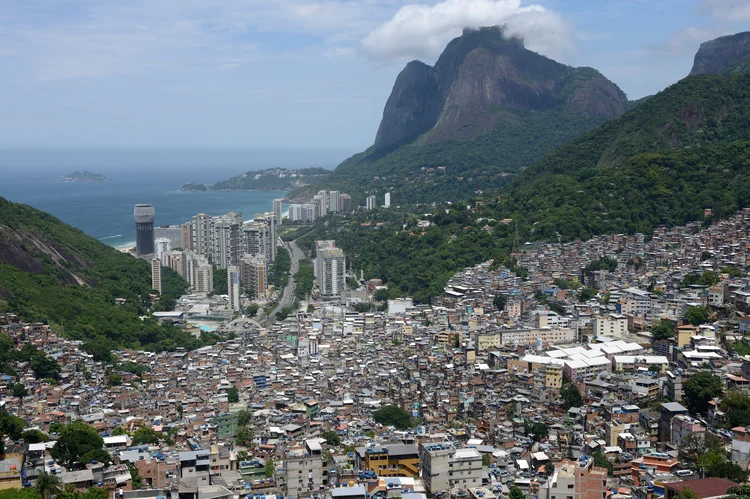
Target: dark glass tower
[144,229]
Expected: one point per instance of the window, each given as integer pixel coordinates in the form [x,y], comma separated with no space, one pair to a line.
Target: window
[570,485]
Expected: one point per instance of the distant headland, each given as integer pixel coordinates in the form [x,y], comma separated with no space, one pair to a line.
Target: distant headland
[84,176]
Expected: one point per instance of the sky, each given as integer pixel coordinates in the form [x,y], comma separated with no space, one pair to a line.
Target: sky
[294,74]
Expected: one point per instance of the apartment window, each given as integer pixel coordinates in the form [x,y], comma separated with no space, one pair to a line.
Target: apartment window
[570,485]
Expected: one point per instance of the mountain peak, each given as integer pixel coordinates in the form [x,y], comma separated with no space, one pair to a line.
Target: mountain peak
[478,75]
[725,54]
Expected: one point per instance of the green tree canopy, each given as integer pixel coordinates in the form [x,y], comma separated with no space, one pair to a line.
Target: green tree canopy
[571,396]
[697,315]
[536,430]
[145,435]
[699,390]
[662,330]
[516,493]
[332,438]
[392,416]
[75,441]
[233,395]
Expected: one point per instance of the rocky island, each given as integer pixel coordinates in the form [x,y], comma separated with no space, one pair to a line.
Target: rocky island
[84,176]
[194,187]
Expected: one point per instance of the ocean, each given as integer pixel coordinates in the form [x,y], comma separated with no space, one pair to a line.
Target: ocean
[105,210]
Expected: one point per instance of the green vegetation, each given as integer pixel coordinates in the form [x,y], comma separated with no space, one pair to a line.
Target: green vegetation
[699,390]
[278,275]
[601,461]
[536,430]
[604,263]
[516,493]
[393,416]
[132,368]
[251,310]
[697,315]
[332,438]
[145,435]
[500,300]
[51,259]
[79,444]
[269,468]
[707,278]
[269,180]
[662,330]
[304,279]
[233,395]
[570,395]
[221,281]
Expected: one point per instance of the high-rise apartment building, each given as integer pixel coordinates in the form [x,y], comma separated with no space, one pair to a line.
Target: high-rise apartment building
[253,275]
[144,229]
[204,278]
[345,203]
[302,212]
[225,240]
[333,201]
[201,234]
[187,235]
[323,203]
[331,271]
[233,287]
[372,202]
[269,220]
[387,203]
[277,207]
[156,274]
[162,246]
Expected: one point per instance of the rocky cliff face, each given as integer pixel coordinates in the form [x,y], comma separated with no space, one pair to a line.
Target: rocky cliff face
[478,75]
[723,54]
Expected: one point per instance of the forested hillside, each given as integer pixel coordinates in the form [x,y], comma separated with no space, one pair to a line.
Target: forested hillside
[52,272]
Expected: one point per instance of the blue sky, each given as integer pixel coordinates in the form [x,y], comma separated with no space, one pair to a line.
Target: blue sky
[293,73]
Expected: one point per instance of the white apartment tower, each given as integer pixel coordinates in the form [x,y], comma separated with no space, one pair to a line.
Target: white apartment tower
[277,207]
[372,202]
[331,265]
[156,274]
[323,201]
[162,246]
[201,234]
[233,287]
[387,203]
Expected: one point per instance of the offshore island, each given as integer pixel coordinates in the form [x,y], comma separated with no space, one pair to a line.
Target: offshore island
[84,176]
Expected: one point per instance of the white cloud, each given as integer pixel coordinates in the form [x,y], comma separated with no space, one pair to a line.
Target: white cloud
[727,10]
[422,31]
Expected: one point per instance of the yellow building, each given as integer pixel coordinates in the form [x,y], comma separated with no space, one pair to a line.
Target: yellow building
[553,376]
[393,459]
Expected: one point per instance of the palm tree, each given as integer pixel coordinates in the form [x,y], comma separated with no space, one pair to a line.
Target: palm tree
[46,485]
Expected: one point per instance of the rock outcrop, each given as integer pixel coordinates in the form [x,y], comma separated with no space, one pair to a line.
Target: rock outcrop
[725,54]
[478,75]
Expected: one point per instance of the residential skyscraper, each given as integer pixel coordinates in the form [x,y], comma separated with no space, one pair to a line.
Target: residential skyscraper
[156,274]
[333,201]
[225,240]
[233,287]
[331,265]
[144,229]
[345,203]
[187,235]
[323,202]
[162,246]
[372,202]
[253,275]
[269,220]
[171,232]
[277,207]
[201,234]
[387,203]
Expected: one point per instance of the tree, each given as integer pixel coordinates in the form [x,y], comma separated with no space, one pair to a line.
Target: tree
[75,441]
[119,430]
[251,310]
[601,461]
[697,315]
[100,349]
[570,395]
[47,485]
[269,468]
[587,293]
[233,395]
[34,436]
[699,389]
[243,417]
[244,436]
[242,456]
[19,390]
[516,493]
[687,493]
[137,482]
[549,469]
[332,438]
[662,330]
[536,430]
[180,411]
[114,379]
[44,367]
[741,492]
[697,444]
[392,416]
[145,436]
[486,459]
[500,300]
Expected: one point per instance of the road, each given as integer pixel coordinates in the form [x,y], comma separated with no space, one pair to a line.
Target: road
[287,297]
